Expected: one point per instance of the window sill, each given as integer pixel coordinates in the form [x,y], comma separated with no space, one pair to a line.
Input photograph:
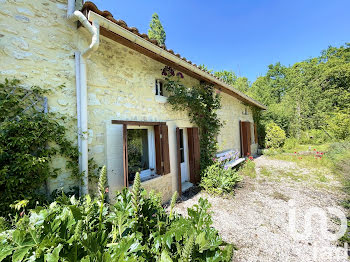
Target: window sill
[146,178]
[149,177]
[161,99]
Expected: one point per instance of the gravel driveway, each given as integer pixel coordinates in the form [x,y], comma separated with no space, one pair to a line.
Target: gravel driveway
[256,219]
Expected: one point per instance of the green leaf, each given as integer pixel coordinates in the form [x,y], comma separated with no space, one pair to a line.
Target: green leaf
[165,257]
[54,256]
[19,254]
[76,212]
[5,251]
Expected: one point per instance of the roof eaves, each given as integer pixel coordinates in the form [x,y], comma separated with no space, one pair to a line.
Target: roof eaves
[89,6]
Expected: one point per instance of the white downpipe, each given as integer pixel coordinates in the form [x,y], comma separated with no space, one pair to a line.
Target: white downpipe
[84,126]
[77,85]
[82,107]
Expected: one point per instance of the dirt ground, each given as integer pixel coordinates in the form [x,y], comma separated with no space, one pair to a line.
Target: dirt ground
[256,219]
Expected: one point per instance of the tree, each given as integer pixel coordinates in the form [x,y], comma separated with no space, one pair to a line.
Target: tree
[156,30]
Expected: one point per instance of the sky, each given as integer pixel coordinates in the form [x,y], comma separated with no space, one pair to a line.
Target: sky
[241,35]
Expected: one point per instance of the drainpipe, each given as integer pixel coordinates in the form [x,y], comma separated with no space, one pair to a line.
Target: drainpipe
[81,87]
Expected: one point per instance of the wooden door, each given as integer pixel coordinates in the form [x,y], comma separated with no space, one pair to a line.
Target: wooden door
[245,138]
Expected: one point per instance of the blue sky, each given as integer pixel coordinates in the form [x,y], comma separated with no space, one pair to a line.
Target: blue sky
[242,35]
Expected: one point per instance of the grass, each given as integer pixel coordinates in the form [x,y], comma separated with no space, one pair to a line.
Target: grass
[248,169]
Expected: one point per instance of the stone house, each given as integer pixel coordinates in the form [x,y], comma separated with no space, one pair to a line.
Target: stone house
[114,87]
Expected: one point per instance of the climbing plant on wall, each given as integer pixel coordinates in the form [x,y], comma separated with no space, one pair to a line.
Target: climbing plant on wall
[30,137]
[201,103]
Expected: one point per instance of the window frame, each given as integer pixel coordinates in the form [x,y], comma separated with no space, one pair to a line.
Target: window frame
[148,173]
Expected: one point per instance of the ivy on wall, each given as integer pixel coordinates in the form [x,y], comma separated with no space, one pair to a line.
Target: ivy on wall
[29,140]
[201,103]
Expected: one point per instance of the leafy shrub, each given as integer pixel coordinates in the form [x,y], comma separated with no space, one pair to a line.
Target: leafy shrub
[29,140]
[135,228]
[217,180]
[314,136]
[290,143]
[275,136]
[338,125]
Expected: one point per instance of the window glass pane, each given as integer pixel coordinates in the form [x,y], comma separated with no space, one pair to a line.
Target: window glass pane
[156,86]
[182,151]
[181,138]
[161,88]
[138,155]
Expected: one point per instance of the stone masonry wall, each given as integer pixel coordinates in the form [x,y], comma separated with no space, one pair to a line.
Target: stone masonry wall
[37,46]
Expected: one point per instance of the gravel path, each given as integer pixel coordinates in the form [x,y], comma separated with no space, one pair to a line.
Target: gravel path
[256,219]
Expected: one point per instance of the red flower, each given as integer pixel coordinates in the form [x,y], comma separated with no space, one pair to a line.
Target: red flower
[248,154]
[295,152]
[321,153]
[251,158]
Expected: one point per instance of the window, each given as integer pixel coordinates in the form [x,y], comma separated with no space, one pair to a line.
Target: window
[159,88]
[160,91]
[182,149]
[141,152]
[245,112]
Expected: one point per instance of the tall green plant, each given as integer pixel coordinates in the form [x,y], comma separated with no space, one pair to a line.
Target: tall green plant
[133,229]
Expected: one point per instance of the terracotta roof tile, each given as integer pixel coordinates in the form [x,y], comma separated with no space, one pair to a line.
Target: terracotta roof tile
[106,14]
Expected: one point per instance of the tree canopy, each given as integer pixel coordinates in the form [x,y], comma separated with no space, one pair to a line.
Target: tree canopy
[308,95]
[156,30]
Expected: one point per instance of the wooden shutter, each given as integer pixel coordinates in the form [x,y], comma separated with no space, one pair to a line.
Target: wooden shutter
[241,137]
[245,138]
[255,134]
[249,137]
[125,155]
[194,154]
[178,160]
[162,149]
[165,150]
[158,143]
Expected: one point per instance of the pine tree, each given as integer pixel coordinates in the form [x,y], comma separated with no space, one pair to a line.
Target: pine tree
[156,30]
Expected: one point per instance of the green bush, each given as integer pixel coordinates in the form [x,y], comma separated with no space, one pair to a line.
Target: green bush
[135,228]
[314,137]
[29,140]
[290,143]
[217,180]
[275,136]
[338,125]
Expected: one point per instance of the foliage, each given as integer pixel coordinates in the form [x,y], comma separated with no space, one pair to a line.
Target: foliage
[310,95]
[201,103]
[216,179]
[135,228]
[29,140]
[290,143]
[314,136]
[156,30]
[338,125]
[275,136]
